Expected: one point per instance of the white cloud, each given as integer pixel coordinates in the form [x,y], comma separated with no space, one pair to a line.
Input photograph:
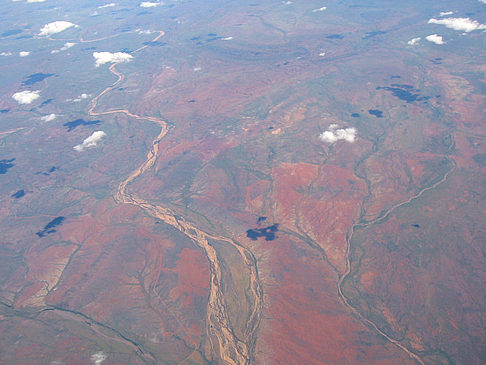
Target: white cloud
[106,5]
[90,142]
[35,1]
[66,46]
[5,54]
[140,31]
[26,97]
[55,27]
[319,9]
[24,53]
[148,4]
[333,134]
[444,13]
[434,38]
[108,57]
[414,41]
[63,48]
[81,97]
[98,358]
[227,38]
[49,117]
[482,1]
[461,24]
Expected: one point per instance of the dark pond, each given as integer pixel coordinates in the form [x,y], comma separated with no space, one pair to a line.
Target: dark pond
[373,34]
[46,102]
[34,78]
[404,92]
[5,165]
[49,227]
[154,43]
[267,232]
[377,113]
[261,219]
[19,194]
[75,123]
[48,172]
[11,32]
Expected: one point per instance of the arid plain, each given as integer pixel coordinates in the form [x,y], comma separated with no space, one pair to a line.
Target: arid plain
[226,182]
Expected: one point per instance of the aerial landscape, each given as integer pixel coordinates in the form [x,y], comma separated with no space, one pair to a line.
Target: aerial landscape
[231,182]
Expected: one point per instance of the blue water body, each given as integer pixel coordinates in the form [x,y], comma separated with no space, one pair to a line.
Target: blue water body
[404,92]
[11,32]
[335,36]
[373,34]
[34,78]
[48,172]
[49,227]
[46,102]
[377,113]
[19,194]
[5,165]
[267,232]
[261,219]
[76,123]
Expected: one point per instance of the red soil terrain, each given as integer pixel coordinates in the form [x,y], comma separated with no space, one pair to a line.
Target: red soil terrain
[305,322]
[119,271]
[378,254]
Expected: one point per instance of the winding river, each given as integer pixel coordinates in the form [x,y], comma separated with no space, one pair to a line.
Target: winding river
[225,345]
